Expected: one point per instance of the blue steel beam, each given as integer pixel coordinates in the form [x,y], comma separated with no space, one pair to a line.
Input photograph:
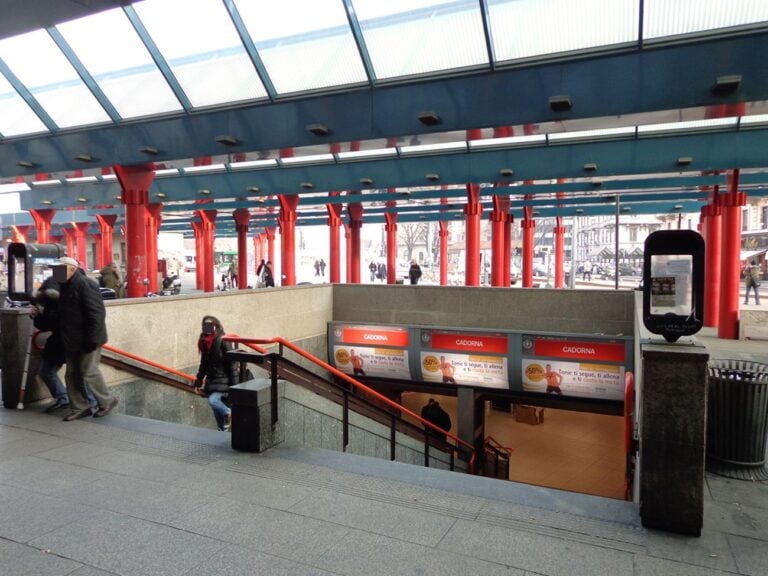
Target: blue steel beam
[631,81]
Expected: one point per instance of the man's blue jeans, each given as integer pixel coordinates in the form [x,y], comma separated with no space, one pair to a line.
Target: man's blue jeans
[220,410]
[49,373]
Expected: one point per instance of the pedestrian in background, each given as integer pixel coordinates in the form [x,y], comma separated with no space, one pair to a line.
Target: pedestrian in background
[752,281]
[216,373]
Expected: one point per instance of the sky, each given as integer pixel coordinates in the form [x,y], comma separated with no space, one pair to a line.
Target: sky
[9,202]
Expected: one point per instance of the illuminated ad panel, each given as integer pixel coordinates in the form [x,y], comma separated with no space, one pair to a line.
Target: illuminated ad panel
[573,366]
[464,358]
[371,351]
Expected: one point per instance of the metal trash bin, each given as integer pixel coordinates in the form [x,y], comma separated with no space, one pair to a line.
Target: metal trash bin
[737,419]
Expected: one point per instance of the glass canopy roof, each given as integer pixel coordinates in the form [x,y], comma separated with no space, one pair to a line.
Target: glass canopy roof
[159,57]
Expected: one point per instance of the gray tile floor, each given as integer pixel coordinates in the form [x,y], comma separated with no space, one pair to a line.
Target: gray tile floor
[132,497]
[129,497]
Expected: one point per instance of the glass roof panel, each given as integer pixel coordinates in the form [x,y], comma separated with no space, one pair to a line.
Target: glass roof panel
[16,117]
[119,62]
[529,28]
[673,17]
[406,37]
[39,64]
[201,45]
[285,43]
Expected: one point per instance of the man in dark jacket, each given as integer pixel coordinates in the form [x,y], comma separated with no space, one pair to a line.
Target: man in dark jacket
[216,373]
[83,332]
[414,272]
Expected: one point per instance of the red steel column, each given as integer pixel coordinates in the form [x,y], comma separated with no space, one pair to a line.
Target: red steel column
[443,252]
[208,228]
[498,219]
[334,224]
[390,227]
[242,218]
[135,182]
[97,253]
[348,246]
[69,236]
[355,211]
[733,200]
[508,248]
[81,235]
[107,227]
[287,221]
[712,222]
[197,228]
[256,252]
[559,232]
[20,232]
[43,219]
[154,217]
[528,226]
[473,210]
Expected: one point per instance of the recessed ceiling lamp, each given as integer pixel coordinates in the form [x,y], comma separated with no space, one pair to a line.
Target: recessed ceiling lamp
[677,207]
[307,185]
[25,164]
[118,198]
[366,181]
[506,172]
[429,118]
[149,150]
[560,103]
[727,84]
[579,210]
[160,195]
[84,158]
[227,140]
[46,202]
[254,189]
[684,160]
[626,209]
[590,167]
[204,192]
[432,177]
[82,200]
[318,129]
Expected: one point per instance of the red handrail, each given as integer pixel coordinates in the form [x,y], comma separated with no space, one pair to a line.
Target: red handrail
[355,383]
[149,362]
[497,445]
[629,418]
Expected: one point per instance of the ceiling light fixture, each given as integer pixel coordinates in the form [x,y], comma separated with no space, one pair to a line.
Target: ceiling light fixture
[366,181]
[227,140]
[84,158]
[307,185]
[254,189]
[25,164]
[684,160]
[560,103]
[727,84]
[160,195]
[204,192]
[590,167]
[506,172]
[118,198]
[579,210]
[433,177]
[429,118]
[46,202]
[677,207]
[149,150]
[318,129]
[82,200]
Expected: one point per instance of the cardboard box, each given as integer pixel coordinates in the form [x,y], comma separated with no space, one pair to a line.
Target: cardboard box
[529,414]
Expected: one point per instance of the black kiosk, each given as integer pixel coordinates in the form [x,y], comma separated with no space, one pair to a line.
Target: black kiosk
[28,266]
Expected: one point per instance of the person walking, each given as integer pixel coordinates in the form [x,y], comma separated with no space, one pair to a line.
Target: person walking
[216,373]
[372,267]
[110,278]
[752,280]
[322,267]
[432,412]
[264,272]
[45,317]
[83,328]
[414,272]
[587,271]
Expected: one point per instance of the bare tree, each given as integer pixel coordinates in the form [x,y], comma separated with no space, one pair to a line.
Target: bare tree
[412,234]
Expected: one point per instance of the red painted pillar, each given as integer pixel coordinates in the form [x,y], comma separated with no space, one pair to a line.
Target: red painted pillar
[242,219]
[107,227]
[69,237]
[97,253]
[43,219]
[355,211]
[712,224]
[733,200]
[443,252]
[390,228]
[348,247]
[498,219]
[559,232]
[81,236]
[256,252]
[197,228]
[20,232]
[135,182]
[208,231]
[270,234]
[154,217]
[287,221]
[473,211]
[508,249]
[334,224]
[528,226]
